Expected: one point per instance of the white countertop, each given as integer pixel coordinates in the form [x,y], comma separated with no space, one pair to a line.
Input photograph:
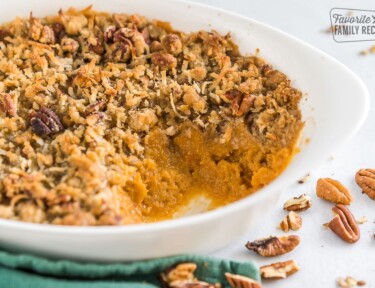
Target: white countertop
[322,256]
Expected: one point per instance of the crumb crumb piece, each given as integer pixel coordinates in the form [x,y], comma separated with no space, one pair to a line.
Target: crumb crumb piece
[349,282]
[368,51]
[304,179]
[362,220]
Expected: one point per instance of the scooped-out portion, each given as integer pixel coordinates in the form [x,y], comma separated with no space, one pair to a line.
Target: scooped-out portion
[113,119]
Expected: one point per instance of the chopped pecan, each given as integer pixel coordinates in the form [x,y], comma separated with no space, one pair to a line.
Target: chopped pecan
[246,104]
[172,44]
[291,222]
[132,35]
[95,107]
[274,246]
[279,270]
[47,36]
[95,118]
[4,33]
[155,46]
[265,68]
[41,33]
[119,52]
[146,35]
[97,48]
[240,103]
[332,190]
[233,94]
[45,122]
[300,203]
[344,224]
[240,281]
[182,276]
[365,179]
[7,105]
[274,78]
[58,30]
[164,61]
[69,45]
[109,33]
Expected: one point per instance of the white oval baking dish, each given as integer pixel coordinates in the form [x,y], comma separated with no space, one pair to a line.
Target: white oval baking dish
[336,105]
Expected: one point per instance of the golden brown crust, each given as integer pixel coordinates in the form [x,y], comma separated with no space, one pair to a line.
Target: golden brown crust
[96,108]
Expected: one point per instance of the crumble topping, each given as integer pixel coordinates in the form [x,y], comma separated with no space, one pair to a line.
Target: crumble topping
[111,119]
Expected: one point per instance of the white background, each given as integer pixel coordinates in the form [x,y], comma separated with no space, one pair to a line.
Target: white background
[322,256]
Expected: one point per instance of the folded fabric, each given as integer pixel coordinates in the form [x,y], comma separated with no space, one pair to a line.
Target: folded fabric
[27,271]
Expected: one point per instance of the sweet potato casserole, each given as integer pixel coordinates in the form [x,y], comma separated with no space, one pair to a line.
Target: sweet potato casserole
[117,119]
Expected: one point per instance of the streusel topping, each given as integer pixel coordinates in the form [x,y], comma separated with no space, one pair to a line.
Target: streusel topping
[110,119]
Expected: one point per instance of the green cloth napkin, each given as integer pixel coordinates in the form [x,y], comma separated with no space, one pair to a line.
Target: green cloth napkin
[27,271]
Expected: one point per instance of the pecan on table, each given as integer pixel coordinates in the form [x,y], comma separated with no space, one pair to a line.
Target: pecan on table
[240,281]
[333,191]
[274,246]
[45,122]
[182,276]
[344,224]
[279,270]
[300,203]
[365,179]
[292,221]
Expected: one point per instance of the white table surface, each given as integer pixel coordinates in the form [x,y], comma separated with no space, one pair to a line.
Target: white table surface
[322,256]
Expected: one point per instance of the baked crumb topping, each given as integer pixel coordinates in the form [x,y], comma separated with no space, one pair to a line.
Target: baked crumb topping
[111,119]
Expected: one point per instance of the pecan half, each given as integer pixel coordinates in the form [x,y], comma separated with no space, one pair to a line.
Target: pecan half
[273,246]
[279,270]
[365,179]
[182,276]
[45,122]
[292,221]
[344,224]
[300,203]
[240,281]
[333,191]
[7,105]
